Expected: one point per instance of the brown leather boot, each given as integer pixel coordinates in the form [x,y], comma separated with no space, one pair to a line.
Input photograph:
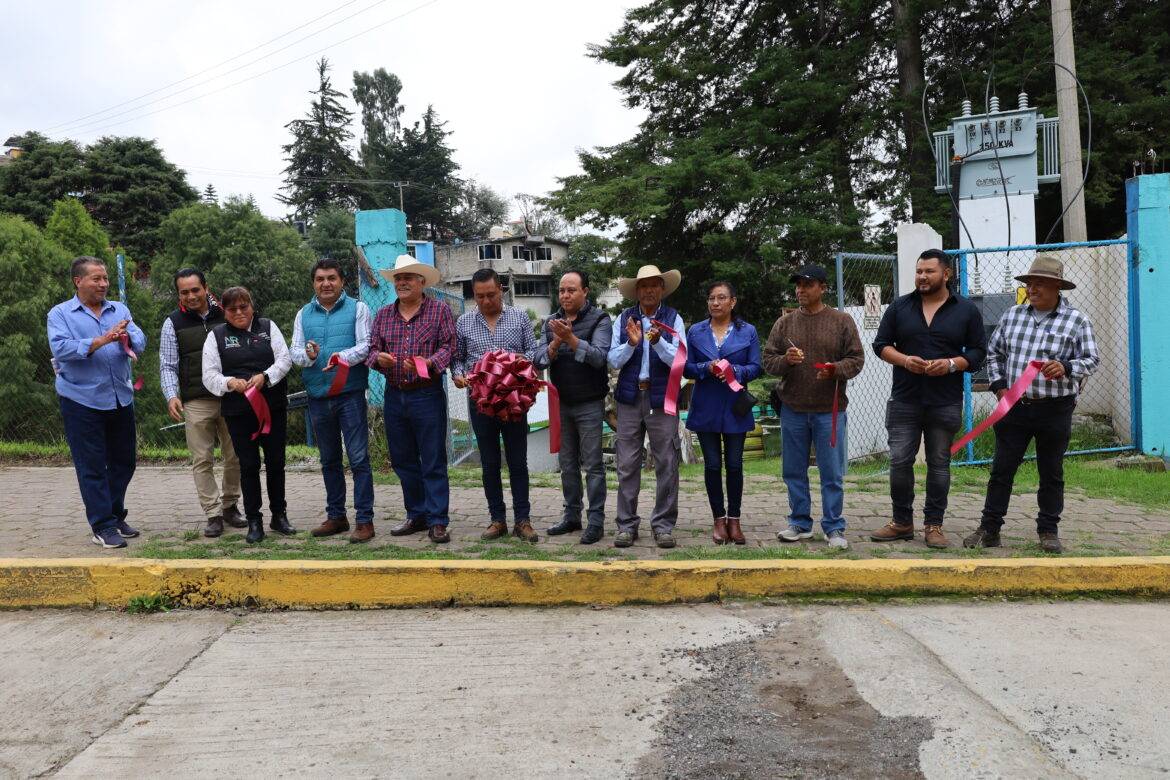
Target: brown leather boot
[935,538]
[363,533]
[494,531]
[331,527]
[525,531]
[719,535]
[892,532]
[734,531]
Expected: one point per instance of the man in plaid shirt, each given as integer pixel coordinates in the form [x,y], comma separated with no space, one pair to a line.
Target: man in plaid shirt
[415,414]
[1046,328]
[496,326]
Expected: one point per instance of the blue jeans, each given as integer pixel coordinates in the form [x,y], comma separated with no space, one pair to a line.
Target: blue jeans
[799,431]
[731,445]
[104,449]
[488,431]
[416,435]
[344,417]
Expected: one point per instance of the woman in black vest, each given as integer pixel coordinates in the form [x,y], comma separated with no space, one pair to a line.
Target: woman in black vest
[242,353]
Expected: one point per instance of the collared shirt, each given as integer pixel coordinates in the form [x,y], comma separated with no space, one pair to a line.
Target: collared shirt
[513,333]
[213,376]
[1024,334]
[101,380]
[168,357]
[361,334]
[956,330]
[593,353]
[619,352]
[429,333]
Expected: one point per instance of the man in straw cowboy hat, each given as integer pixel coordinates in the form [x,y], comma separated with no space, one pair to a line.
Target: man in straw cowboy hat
[642,352]
[1045,328]
[416,332]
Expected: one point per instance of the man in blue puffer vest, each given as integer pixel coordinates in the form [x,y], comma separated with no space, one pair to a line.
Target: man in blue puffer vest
[642,353]
[334,324]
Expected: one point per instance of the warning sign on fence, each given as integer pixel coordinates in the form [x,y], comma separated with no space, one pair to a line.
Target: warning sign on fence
[873,306]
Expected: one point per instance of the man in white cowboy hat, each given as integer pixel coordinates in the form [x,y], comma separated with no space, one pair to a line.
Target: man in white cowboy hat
[1045,328]
[642,352]
[416,329]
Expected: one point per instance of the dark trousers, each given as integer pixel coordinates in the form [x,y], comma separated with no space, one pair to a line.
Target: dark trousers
[1050,424]
[722,450]
[240,428]
[488,431]
[104,449]
[909,424]
[416,436]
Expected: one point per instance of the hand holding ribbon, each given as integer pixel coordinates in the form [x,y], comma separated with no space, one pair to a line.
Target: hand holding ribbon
[674,381]
[1009,399]
[725,370]
[342,375]
[260,409]
[829,369]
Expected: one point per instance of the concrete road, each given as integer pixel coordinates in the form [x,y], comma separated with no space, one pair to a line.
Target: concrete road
[942,690]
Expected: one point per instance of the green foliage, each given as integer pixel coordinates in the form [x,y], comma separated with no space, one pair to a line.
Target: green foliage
[71,227]
[42,175]
[332,235]
[130,187]
[149,603]
[320,172]
[234,244]
[479,208]
[595,255]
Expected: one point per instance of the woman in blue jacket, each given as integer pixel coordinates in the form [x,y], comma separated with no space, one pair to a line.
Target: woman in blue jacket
[722,336]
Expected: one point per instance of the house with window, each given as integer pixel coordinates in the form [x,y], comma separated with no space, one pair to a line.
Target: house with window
[523,262]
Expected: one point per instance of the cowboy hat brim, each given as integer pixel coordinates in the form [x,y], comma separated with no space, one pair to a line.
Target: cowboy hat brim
[428,272]
[1065,284]
[670,280]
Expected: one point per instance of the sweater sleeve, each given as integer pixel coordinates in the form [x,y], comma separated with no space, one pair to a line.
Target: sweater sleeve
[852,357]
[774,349]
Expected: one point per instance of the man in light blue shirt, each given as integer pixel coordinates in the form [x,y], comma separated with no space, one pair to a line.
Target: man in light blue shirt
[92,340]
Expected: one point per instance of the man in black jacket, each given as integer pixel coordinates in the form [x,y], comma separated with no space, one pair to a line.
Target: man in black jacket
[574,344]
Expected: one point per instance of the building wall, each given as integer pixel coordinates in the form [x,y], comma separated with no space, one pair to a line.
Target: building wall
[460,261]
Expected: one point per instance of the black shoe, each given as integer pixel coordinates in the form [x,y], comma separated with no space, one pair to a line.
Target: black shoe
[564,527]
[592,534]
[280,525]
[1050,542]
[982,537]
[255,531]
[214,527]
[232,517]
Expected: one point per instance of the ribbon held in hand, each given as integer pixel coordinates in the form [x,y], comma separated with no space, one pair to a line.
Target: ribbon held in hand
[261,410]
[342,375]
[728,373]
[504,385]
[674,381]
[125,339]
[836,393]
[1009,399]
[420,367]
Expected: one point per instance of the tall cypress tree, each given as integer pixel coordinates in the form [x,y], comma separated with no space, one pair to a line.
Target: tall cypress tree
[321,171]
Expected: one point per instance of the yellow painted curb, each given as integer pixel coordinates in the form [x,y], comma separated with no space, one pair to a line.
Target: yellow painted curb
[90,582]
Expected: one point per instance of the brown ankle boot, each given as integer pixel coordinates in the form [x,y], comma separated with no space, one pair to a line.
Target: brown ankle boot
[719,535]
[734,531]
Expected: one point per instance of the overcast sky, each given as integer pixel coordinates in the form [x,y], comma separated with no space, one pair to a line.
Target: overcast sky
[510,78]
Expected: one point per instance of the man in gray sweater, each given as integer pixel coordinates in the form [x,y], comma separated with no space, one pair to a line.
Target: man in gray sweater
[814,350]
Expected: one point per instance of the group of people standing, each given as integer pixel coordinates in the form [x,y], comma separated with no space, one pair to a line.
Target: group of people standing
[219,359]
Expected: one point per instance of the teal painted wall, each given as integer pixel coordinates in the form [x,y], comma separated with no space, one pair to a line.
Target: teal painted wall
[382,236]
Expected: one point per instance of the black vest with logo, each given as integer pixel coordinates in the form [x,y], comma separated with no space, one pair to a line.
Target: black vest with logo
[245,353]
[190,332]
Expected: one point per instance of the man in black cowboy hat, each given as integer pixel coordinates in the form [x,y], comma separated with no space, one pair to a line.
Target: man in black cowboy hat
[1045,328]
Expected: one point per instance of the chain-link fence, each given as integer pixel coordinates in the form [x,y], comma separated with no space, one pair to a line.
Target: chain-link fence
[1103,421]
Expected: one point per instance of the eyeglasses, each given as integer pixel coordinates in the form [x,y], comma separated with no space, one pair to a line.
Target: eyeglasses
[719,299]
[240,308]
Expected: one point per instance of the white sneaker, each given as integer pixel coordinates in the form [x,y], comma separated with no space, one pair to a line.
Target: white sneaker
[793,534]
[837,539]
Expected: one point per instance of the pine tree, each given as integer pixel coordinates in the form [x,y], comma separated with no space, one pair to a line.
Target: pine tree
[321,171]
[210,197]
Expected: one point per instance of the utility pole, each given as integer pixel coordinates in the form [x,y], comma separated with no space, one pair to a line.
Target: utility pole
[1071,170]
[402,184]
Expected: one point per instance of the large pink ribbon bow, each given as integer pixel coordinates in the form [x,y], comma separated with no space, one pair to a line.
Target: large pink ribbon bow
[1009,399]
[504,385]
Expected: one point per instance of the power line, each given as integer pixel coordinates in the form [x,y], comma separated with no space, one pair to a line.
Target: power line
[323,179]
[209,69]
[366,31]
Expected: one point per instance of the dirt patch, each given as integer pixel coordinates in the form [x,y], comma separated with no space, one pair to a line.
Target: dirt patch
[779,706]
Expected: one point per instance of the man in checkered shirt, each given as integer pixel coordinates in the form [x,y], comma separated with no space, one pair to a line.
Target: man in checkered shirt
[1046,328]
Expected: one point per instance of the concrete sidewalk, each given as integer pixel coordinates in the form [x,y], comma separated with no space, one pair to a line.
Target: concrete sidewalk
[43,518]
[932,690]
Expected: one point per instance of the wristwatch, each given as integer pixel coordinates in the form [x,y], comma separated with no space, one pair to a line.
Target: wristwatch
[953,368]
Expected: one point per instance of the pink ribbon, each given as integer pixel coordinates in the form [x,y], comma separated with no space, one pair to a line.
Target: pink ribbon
[261,410]
[125,339]
[342,375]
[504,385]
[1009,399]
[674,381]
[836,388]
[728,373]
[420,367]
